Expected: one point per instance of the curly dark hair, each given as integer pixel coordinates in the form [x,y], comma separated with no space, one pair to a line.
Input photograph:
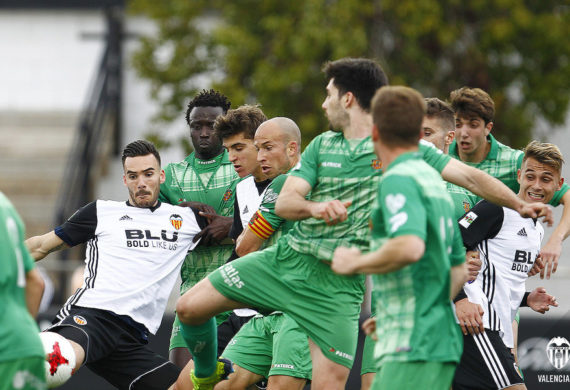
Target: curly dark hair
[209,98]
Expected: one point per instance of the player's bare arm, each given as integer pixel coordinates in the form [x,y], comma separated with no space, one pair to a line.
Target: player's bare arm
[369,328]
[34,290]
[490,188]
[459,275]
[248,242]
[217,229]
[550,253]
[473,262]
[395,254]
[291,204]
[41,246]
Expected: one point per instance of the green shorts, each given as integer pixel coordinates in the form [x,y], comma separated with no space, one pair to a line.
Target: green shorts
[23,374]
[272,345]
[176,339]
[368,361]
[414,375]
[325,305]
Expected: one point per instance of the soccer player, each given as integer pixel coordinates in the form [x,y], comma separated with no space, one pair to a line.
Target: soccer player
[508,245]
[270,346]
[438,125]
[22,357]
[134,252]
[475,146]
[341,172]
[205,176]
[416,263]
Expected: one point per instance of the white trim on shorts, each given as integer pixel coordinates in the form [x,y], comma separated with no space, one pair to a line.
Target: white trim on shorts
[492,361]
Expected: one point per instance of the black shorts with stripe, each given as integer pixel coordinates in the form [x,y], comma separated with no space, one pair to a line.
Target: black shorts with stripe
[486,363]
[116,349]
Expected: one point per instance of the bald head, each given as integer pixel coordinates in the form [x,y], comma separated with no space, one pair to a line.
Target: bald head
[278,141]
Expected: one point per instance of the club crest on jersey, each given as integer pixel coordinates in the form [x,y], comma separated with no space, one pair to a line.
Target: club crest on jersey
[376,164]
[176,221]
[227,195]
[466,206]
[80,320]
[468,219]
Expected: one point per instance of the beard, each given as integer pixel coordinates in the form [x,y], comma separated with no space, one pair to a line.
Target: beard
[142,203]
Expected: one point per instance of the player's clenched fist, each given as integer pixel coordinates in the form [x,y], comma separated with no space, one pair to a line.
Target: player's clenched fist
[344,260]
[332,212]
[473,264]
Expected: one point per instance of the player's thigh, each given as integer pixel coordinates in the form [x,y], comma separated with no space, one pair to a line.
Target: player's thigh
[327,374]
[251,348]
[291,353]
[285,382]
[23,374]
[366,380]
[202,302]
[414,375]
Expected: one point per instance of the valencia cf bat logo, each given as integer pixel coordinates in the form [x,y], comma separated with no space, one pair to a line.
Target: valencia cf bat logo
[176,221]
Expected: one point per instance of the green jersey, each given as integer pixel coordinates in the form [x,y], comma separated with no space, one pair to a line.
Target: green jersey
[416,320]
[336,170]
[503,163]
[265,224]
[18,330]
[211,182]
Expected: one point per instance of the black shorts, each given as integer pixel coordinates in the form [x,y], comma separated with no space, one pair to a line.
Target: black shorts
[486,363]
[228,329]
[116,350]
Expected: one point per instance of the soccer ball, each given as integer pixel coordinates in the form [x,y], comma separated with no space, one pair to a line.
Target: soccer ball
[60,358]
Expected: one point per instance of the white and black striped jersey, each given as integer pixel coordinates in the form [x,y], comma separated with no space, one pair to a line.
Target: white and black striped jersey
[133,256]
[508,245]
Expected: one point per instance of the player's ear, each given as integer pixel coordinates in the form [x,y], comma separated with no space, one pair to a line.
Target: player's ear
[124,179]
[560,183]
[519,176]
[376,134]
[488,128]
[450,137]
[162,176]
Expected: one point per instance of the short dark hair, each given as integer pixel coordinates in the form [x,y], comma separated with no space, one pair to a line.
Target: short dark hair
[361,76]
[441,110]
[138,148]
[208,98]
[468,102]
[244,119]
[398,113]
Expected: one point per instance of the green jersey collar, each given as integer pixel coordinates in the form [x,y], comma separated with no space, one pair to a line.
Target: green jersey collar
[415,155]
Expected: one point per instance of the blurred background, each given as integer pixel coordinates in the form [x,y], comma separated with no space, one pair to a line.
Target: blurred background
[81,78]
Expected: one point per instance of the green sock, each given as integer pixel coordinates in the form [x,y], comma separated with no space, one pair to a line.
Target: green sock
[202,340]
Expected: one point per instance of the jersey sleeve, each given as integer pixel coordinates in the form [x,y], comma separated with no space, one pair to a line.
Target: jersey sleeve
[433,156]
[457,255]
[482,222]
[80,227]
[307,168]
[265,222]
[402,205]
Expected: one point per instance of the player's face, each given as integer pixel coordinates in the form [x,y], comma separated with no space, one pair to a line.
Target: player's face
[143,177]
[243,155]
[206,143]
[436,134]
[471,136]
[274,153]
[538,181]
[334,111]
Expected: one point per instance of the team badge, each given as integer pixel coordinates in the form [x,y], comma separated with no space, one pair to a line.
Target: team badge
[558,352]
[376,164]
[466,206]
[176,221]
[80,320]
[227,195]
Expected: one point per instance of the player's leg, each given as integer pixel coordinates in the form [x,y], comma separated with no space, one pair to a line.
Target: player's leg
[326,373]
[285,382]
[240,379]
[415,375]
[368,368]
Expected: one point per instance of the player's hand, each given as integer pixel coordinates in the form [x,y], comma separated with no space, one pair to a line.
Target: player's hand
[199,206]
[344,259]
[470,316]
[332,212]
[537,210]
[474,263]
[550,254]
[536,267]
[369,328]
[217,229]
[540,301]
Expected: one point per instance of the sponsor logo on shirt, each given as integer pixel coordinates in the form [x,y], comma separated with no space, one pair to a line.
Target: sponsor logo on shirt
[270,196]
[522,233]
[137,238]
[523,261]
[125,218]
[80,320]
[468,219]
[246,210]
[283,365]
[342,354]
[330,164]
[176,221]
